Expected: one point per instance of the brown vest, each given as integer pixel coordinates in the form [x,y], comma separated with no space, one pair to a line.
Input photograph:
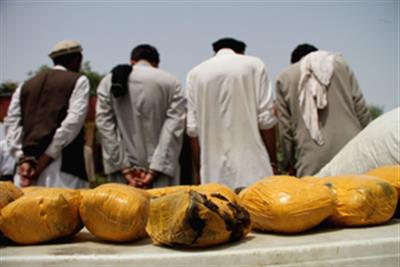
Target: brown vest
[44,104]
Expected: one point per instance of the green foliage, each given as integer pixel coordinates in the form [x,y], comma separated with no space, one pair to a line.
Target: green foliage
[93,76]
[7,88]
[42,68]
[375,111]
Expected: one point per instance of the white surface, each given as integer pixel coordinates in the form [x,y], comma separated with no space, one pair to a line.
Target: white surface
[370,246]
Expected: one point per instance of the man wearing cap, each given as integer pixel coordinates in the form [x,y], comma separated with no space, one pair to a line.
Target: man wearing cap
[230,117]
[44,123]
[140,115]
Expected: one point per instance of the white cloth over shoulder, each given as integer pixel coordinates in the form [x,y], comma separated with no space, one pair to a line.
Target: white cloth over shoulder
[377,145]
[316,71]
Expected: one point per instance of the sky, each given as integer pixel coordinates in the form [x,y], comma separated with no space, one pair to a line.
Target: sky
[365,32]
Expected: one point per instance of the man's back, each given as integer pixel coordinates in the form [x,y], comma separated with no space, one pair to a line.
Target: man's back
[344,116]
[149,118]
[151,91]
[228,96]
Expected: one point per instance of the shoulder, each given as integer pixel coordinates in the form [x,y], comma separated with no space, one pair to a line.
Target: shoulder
[165,77]
[289,72]
[252,59]
[104,85]
[341,63]
[202,66]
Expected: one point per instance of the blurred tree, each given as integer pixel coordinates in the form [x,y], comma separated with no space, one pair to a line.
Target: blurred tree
[93,76]
[375,110]
[38,70]
[7,88]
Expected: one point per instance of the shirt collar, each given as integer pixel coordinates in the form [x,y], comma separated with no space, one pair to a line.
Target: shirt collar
[59,67]
[143,63]
[225,51]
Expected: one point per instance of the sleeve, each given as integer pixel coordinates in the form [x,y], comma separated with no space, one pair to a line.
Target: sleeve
[166,155]
[285,124]
[360,105]
[113,152]
[13,126]
[75,119]
[191,121]
[265,108]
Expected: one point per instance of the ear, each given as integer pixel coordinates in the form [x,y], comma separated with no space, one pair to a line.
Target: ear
[133,62]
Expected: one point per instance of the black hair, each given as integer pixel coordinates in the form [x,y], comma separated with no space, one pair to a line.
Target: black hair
[146,52]
[65,60]
[236,45]
[300,51]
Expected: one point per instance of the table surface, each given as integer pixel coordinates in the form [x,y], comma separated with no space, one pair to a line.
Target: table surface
[323,246]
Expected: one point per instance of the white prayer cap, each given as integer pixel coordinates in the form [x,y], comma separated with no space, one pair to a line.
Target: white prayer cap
[65,47]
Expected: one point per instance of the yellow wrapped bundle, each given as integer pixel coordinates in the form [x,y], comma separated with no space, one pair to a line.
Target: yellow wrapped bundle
[389,173]
[285,204]
[8,193]
[162,191]
[43,215]
[361,200]
[115,212]
[214,189]
[193,219]
[30,189]
[207,188]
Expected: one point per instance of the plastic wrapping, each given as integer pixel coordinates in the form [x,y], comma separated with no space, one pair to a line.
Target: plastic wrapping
[207,188]
[42,216]
[188,218]
[115,212]
[285,204]
[389,173]
[162,191]
[361,200]
[30,189]
[8,193]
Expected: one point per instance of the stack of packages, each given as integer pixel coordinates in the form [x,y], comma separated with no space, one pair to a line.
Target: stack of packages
[290,205]
[198,216]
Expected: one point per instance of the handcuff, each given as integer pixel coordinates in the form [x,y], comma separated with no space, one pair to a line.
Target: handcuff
[28,159]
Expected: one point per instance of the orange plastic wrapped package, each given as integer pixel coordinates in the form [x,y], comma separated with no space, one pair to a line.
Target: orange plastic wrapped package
[30,189]
[8,193]
[389,173]
[285,204]
[41,216]
[361,200]
[162,191]
[115,212]
[188,218]
[215,188]
[207,188]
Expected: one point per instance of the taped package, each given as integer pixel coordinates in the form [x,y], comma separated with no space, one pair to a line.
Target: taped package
[361,200]
[115,212]
[41,216]
[286,204]
[8,193]
[188,218]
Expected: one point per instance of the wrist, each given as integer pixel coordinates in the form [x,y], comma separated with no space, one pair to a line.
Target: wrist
[31,160]
[126,171]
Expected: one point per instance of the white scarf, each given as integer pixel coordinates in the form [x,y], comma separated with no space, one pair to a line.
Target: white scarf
[316,71]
